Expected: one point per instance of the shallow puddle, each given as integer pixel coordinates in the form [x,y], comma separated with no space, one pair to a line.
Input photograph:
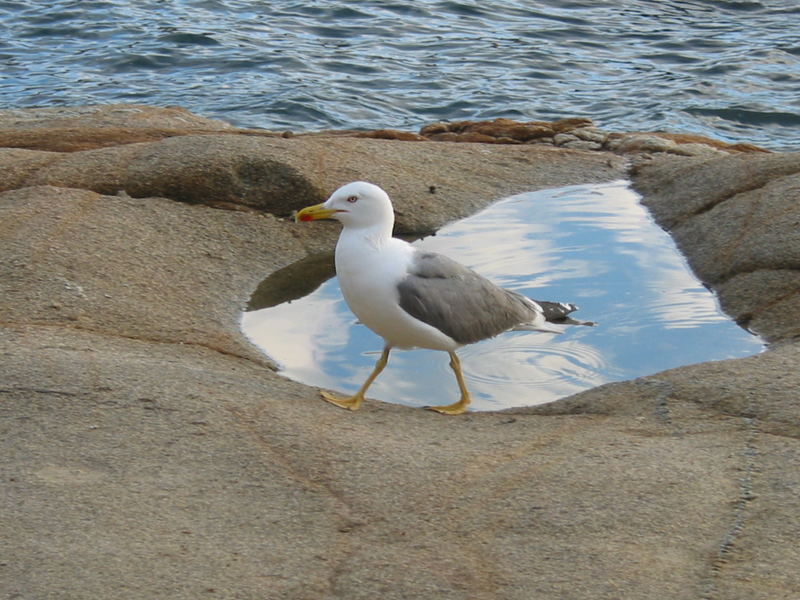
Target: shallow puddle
[592,245]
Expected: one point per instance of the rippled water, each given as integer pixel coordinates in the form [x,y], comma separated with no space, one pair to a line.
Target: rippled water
[593,245]
[724,68]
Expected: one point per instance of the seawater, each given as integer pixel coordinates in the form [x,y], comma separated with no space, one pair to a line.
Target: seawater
[593,245]
[729,69]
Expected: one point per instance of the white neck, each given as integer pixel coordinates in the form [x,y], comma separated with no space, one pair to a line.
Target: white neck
[375,235]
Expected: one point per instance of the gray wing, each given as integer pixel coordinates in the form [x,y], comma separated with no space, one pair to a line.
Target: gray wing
[459,302]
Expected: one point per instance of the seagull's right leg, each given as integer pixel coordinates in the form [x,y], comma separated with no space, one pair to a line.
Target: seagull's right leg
[463,402]
[354,401]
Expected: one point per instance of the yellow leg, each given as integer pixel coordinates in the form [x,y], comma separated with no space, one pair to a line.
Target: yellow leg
[354,401]
[457,407]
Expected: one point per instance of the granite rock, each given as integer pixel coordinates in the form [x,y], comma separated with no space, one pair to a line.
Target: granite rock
[737,219]
[279,175]
[148,451]
[71,128]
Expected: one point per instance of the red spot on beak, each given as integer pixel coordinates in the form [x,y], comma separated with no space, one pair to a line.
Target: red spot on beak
[306,218]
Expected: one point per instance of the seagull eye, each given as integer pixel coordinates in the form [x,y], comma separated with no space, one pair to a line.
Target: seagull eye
[352,199]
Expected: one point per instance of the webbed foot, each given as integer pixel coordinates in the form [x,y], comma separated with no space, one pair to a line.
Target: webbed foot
[351,403]
[456,408]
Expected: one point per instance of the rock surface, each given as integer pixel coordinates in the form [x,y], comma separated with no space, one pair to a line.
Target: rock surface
[148,451]
[67,129]
[738,222]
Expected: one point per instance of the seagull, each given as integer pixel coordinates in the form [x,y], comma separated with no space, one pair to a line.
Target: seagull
[413,298]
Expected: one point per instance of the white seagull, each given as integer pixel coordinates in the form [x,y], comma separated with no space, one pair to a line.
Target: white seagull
[417,299]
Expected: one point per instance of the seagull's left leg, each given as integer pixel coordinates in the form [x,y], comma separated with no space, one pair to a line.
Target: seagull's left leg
[457,407]
[354,401]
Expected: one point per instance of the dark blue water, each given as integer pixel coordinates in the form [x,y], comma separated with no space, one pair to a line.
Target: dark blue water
[593,245]
[729,69]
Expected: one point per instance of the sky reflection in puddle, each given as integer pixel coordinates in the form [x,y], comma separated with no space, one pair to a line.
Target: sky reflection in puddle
[593,245]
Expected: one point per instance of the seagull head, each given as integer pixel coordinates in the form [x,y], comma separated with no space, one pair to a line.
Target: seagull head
[357,205]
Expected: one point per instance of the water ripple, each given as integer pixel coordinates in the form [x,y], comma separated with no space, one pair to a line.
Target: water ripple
[513,359]
[721,68]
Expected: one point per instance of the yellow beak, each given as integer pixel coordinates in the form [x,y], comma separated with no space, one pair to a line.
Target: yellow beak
[314,213]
